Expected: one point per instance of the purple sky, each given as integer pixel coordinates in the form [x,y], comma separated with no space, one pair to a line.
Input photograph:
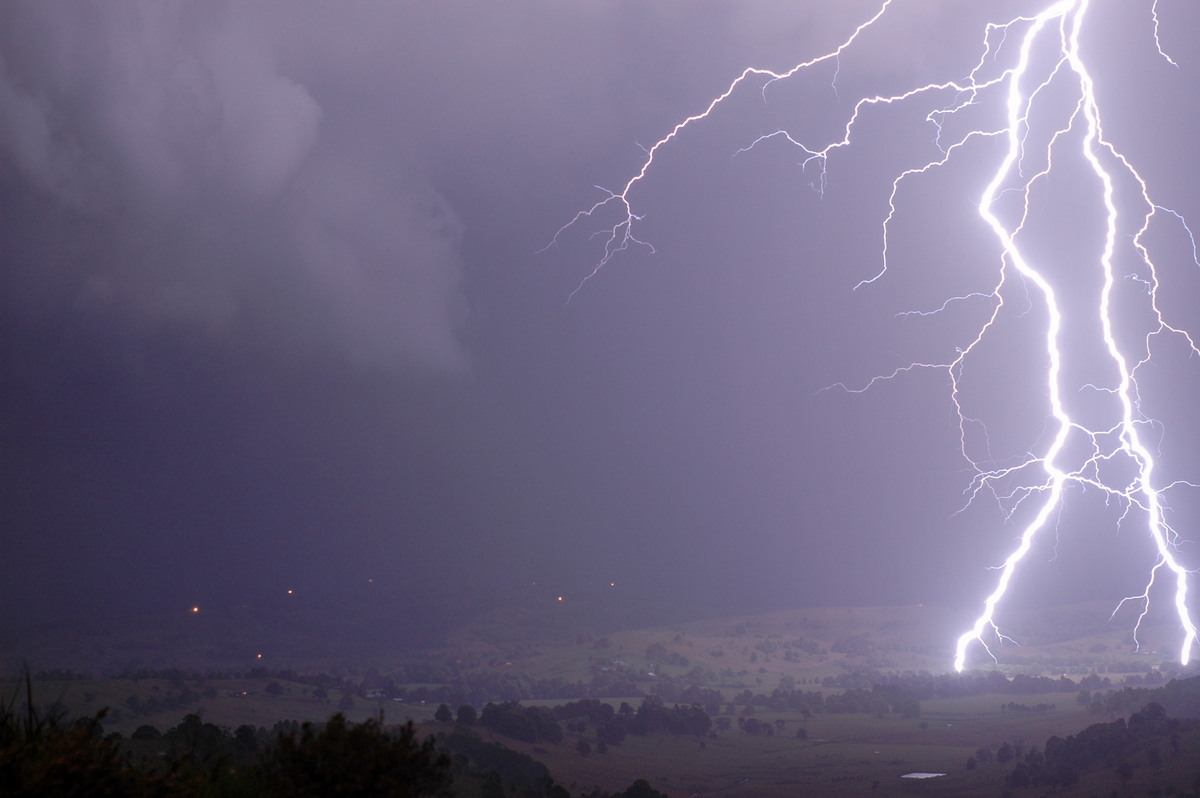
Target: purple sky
[276,312]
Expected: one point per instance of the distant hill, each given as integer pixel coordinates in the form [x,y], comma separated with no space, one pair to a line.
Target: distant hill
[544,635]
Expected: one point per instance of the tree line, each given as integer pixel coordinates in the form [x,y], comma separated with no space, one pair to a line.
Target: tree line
[610,726]
[49,756]
[1116,746]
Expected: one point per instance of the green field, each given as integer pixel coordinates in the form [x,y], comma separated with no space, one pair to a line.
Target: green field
[842,755]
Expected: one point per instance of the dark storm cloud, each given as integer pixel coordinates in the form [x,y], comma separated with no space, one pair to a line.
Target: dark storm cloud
[234,161]
[215,186]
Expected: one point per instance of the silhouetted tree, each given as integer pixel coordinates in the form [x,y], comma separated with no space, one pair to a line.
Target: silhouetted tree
[360,759]
[46,757]
[145,732]
[640,789]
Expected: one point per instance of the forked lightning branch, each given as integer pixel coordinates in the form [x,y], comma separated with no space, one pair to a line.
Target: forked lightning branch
[1030,69]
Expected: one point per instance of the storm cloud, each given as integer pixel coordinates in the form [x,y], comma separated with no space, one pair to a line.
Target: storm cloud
[216,185]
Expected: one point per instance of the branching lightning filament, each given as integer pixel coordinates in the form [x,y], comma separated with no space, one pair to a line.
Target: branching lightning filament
[1044,62]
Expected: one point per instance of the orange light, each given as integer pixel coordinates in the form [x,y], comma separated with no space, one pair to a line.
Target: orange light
[560,598]
[290,591]
[195,609]
[260,656]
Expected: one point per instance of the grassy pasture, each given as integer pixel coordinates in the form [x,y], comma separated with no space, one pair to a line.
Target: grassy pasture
[805,645]
[843,754]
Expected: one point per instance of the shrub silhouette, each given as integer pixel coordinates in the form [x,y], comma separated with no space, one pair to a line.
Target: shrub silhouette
[42,754]
[340,759]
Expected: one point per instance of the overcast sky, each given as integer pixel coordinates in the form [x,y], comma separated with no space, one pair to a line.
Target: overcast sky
[277,312]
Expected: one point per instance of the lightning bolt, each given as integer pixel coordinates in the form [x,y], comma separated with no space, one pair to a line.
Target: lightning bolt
[1028,88]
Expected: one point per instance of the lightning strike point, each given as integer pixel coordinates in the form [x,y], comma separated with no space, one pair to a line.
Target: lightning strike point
[1031,70]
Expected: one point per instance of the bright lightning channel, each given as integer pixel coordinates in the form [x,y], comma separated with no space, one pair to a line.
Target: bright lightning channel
[1049,51]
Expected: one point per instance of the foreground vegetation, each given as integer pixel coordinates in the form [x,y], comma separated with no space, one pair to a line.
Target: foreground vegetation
[1122,742]
[47,755]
